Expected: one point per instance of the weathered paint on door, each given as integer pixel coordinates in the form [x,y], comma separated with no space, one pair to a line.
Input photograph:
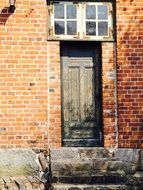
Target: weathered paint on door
[81,94]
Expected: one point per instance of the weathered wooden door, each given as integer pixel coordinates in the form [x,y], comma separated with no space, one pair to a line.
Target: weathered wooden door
[81,94]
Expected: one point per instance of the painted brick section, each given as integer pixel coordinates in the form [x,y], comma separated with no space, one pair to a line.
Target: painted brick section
[23,75]
[130,72]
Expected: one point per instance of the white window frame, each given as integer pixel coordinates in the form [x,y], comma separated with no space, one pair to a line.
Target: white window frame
[81,23]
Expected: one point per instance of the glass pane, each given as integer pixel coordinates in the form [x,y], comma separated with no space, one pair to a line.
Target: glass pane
[103,28]
[71,28]
[90,28]
[90,12]
[59,27]
[59,11]
[102,12]
[71,11]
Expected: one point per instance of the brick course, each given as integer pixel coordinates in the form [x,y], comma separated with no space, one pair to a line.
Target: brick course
[30,92]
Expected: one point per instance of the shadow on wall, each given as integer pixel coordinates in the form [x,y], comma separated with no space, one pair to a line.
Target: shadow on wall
[4,15]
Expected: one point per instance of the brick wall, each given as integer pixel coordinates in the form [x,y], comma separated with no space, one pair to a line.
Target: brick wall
[130,72]
[30,91]
[23,75]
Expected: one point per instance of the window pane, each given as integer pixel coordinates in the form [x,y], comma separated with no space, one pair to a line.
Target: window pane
[102,12]
[59,27]
[71,11]
[103,28]
[90,28]
[59,11]
[71,28]
[90,12]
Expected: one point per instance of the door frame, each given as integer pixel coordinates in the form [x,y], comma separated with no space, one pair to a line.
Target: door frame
[98,84]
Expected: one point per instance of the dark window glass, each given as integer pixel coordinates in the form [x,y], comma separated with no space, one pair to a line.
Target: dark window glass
[90,12]
[71,11]
[102,12]
[71,28]
[103,28]
[91,28]
[59,27]
[59,11]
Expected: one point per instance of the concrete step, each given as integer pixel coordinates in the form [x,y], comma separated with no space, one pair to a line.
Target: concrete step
[74,167]
[79,153]
[99,178]
[88,187]
[94,169]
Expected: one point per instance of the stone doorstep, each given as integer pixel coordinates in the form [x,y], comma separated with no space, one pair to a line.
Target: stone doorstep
[74,167]
[89,187]
[79,153]
[123,154]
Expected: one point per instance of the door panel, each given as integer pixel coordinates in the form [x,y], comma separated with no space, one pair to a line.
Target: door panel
[81,123]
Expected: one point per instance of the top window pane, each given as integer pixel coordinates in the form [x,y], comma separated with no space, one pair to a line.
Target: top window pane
[58,11]
[102,12]
[71,11]
[90,12]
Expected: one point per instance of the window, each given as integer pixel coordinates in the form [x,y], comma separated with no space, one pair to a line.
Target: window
[80,21]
